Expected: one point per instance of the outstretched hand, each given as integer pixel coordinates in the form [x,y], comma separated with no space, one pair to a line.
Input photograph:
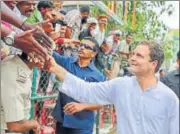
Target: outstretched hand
[26,42]
[50,65]
[40,35]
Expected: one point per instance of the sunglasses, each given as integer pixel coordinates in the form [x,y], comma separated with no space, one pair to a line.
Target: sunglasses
[87,46]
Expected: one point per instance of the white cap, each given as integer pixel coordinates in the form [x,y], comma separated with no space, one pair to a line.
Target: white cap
[118,32]
[92,20]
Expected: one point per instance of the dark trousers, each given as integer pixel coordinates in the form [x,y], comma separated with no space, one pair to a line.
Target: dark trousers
[63,130]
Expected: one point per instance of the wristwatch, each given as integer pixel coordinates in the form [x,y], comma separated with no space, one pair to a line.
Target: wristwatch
[9,39]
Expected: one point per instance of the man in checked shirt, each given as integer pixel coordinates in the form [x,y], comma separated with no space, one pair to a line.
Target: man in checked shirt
[75,20]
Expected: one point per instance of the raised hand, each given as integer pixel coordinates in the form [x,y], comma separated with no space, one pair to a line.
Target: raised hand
[43,39]
[26,42]
[53,16]
[39,33]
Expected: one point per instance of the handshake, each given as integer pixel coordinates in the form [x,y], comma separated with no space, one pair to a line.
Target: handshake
[48,64]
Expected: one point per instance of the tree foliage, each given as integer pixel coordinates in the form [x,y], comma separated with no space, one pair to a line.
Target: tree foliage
[147,23]
[148,26]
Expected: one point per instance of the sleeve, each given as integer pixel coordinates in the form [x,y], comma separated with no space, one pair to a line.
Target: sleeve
[71,17]
[121,46]
[61,60]
[102,93]
[102,78]
[174,117]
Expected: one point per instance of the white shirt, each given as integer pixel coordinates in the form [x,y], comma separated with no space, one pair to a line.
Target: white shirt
[124,46]
[100,36]
[154,111]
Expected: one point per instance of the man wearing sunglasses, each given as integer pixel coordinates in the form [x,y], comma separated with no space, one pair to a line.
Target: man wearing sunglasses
[74,117]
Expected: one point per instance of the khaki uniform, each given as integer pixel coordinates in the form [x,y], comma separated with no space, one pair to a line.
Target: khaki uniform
[15,91]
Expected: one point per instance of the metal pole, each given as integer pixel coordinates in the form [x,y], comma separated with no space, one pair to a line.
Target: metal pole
[97,121]
[133,14]
[33,93]
[104,8]
[123,7]
[126,11]
[115,6]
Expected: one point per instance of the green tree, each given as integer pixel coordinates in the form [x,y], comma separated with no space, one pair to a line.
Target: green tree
[168,48]
[147,24]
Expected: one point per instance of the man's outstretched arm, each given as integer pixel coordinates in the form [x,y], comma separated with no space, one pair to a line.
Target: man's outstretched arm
[102,93]
[9,16]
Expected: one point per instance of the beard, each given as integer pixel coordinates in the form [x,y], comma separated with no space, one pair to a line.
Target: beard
[84,20]
[102,26]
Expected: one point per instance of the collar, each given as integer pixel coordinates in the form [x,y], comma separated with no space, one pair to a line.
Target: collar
[91,65]
[156,87]
[176,72]
[128,43]
[150,89]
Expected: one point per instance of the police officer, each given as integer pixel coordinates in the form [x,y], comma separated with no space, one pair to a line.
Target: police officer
[16,72]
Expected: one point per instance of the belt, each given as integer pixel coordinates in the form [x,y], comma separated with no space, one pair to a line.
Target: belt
[9,131]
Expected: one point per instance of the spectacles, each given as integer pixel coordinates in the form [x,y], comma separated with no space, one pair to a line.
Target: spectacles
[86,46]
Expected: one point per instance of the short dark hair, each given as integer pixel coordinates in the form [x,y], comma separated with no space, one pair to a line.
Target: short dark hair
[129,34]
[156,52]
[44,4]
[85,9]
[63,12]
[178,54]
[61,22]
[96,47]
